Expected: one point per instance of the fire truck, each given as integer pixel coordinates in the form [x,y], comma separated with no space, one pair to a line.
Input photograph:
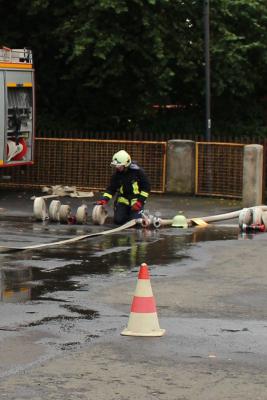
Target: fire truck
[17,107]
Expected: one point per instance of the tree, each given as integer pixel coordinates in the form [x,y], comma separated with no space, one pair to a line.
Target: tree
[102,64]
[238,61]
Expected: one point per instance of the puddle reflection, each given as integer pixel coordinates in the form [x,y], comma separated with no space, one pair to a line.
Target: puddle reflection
[33,275]
[14,285]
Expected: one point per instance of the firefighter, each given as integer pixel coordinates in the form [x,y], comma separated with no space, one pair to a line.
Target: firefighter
[130,186]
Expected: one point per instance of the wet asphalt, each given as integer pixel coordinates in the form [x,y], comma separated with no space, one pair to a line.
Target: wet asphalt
[45,308]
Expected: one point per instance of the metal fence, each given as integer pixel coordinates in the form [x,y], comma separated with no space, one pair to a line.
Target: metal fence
[85,163]
[219,169]
[159,137]
[146,136]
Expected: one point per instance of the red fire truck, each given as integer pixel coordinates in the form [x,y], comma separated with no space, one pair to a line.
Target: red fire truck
[17,107]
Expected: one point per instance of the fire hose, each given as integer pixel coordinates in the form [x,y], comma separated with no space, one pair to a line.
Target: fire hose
[244,215]
[129,224]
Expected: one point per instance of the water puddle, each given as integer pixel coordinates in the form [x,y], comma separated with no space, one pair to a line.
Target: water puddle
[51,286]
[36,275]
[48,290]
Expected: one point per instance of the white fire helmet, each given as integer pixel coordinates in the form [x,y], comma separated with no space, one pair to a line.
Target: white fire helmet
[121,158]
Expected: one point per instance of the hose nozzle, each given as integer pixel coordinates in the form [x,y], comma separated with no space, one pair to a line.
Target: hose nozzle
[156,222]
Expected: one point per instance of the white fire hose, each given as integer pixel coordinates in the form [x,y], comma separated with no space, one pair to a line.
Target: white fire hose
[246,215]
[253,215]
[5,249]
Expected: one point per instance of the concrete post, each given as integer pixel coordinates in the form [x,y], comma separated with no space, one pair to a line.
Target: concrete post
[180,167]
[252,175]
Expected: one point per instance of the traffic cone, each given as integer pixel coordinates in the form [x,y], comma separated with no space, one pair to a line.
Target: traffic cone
[143,320]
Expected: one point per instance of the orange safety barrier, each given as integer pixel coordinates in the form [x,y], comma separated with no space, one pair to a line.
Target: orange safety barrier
[219,169]
[85,163]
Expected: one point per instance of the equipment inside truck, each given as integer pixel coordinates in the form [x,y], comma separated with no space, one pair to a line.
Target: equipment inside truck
[17,107]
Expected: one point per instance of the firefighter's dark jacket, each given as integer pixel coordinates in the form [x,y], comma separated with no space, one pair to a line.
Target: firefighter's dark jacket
[129,185]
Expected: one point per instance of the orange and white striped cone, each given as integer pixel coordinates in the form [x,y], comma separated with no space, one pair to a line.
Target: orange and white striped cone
[143,320]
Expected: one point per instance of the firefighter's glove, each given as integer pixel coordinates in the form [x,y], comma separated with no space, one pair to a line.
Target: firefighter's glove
[102,202]
[137,206]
